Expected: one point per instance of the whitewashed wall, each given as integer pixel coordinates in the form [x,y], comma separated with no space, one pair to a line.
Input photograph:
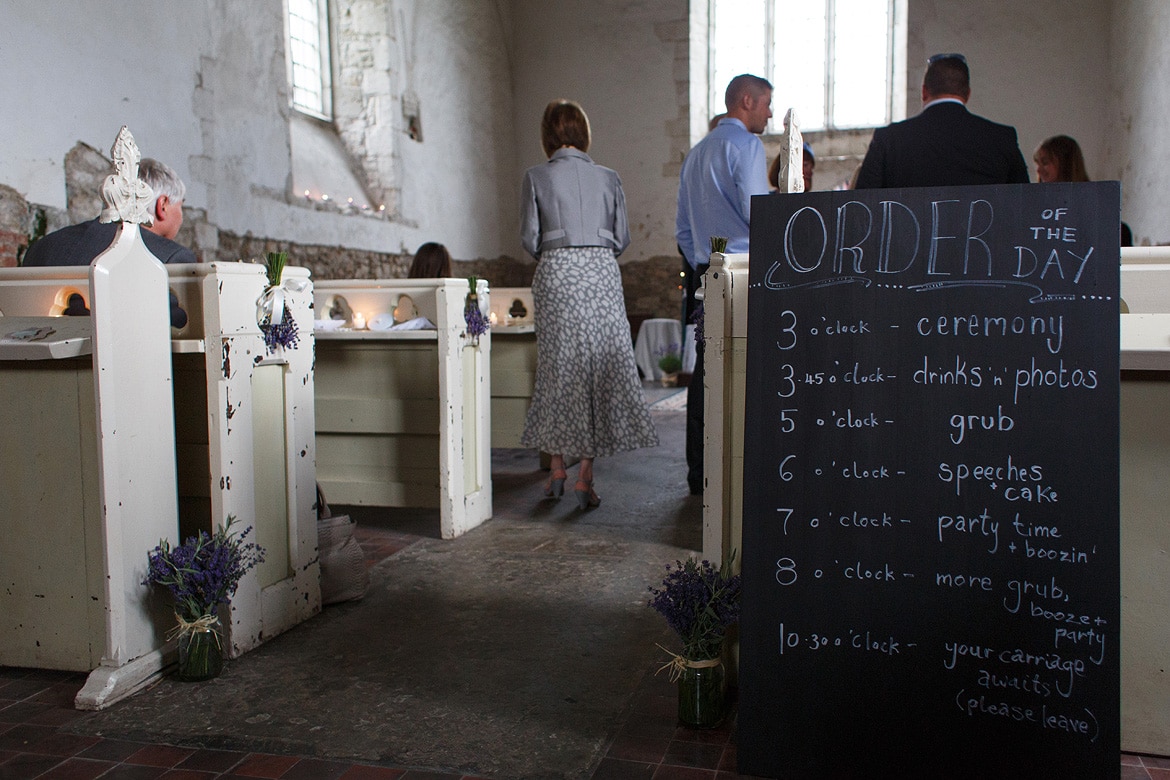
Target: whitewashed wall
[203,87]
[461,176]
[623,61]
[452,54]
[79,72]
[1137,149]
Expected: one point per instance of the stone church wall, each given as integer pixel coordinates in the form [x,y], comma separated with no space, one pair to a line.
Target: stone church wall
[426,97]
[650,286]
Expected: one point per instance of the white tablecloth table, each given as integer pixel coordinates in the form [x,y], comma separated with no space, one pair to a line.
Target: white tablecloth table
[689,353]
[656,337]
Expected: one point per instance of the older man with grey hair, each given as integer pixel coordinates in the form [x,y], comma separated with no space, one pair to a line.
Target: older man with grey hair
[79,244]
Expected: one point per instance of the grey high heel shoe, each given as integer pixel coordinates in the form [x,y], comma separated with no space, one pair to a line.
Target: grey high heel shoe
[587,497]
[555,487]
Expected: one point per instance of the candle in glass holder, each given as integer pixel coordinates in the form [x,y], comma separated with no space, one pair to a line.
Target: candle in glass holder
[359,321]
[492,318]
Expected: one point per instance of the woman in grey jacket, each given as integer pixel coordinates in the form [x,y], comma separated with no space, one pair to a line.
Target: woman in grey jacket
[588,400]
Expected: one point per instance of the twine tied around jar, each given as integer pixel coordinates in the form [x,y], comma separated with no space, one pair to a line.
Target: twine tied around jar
[679,664]
[185,627]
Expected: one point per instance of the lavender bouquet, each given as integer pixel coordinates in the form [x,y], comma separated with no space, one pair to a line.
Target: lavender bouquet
[282,333]
[201,574]
[699,603]
[477,324]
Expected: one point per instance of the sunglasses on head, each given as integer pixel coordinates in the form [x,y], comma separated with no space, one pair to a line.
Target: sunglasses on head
[949,56]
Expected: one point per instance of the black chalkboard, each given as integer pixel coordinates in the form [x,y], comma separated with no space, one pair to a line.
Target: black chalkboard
[931,493]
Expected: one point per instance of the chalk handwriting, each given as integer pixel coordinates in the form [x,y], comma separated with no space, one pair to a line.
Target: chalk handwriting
[866,640]
[963,581]
[1070,555]
[1058,376]
[1040,494]
[838,328]
[1070,668]
[848,243]
[861,520]
[1065,669]
[1067,233]
[990,568]
[1055,263]
[941,374]
[854,471]
[1085,726]
[849,375]
[881,572]
[1049,329]
[859,420]
[1092,638]
[1034,530]
[1011,472]
[1024,683]
[1049,590]
[963,526]
[962,424]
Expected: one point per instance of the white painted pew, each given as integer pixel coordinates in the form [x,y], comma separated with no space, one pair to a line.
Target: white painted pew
[89,473]
[513,362]
[403,416]
[245,443]
[226,399]
[725,295]
[1145,498]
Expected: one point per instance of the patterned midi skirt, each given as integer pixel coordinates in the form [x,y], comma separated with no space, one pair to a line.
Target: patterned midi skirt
[588,399]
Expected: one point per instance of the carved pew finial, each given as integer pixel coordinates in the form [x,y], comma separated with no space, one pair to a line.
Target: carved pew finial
[127,197]
[791,178]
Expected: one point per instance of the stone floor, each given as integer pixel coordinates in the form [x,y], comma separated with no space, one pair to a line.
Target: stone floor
[645,502]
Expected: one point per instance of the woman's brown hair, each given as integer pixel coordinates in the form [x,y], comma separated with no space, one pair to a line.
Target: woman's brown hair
[431,261]
[564,124]
[1066,152]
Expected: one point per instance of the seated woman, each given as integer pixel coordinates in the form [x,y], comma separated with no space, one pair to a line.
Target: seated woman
[431,261]
[1059,158]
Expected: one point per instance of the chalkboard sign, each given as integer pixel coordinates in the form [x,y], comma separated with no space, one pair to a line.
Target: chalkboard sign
[931,504]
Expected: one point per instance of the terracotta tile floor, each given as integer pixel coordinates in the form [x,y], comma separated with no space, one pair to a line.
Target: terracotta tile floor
[34,704]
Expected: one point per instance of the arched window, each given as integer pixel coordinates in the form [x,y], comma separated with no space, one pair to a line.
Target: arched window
[308,53]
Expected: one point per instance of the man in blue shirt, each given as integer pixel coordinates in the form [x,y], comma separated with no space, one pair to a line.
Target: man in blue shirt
[719,177]
[722,173]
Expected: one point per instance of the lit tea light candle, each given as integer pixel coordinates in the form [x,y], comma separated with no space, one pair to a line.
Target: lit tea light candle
[359,321]
[492,318]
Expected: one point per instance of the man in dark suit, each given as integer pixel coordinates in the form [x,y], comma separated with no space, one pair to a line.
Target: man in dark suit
[80,244]
[945,144]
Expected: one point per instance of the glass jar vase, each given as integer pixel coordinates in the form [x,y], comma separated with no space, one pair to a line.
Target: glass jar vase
[702,694]
[200,655]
